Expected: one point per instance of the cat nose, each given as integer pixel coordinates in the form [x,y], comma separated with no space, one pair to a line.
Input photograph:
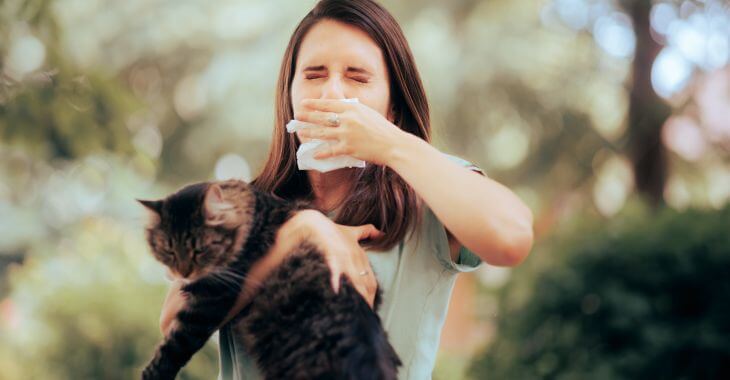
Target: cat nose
[185,269]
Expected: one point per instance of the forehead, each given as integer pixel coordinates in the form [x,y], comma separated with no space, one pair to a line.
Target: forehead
[332,42]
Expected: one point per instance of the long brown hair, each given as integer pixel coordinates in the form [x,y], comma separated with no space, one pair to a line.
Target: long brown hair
[378,194]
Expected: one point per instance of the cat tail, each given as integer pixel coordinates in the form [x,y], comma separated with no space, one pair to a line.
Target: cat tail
[377,359]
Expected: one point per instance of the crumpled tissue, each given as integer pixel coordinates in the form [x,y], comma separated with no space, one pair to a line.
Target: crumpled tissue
[306,151]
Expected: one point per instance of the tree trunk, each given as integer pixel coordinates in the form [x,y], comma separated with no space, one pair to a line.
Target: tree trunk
[647,111]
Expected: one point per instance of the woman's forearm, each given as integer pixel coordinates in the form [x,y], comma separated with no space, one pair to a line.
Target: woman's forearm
[174,301]
[307,224]
[287,237]
[289,234]
[482,214]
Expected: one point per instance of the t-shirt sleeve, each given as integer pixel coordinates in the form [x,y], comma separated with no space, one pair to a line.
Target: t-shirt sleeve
[467,260]
[465,163]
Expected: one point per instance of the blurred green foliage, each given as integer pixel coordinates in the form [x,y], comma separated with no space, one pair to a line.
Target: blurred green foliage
[131,99]
[90,311]
[65,111]
[68,115]
[644,297]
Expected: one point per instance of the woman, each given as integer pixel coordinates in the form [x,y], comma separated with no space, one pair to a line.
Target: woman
[434,216]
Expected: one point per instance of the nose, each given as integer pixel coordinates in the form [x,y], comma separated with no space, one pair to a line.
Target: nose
[333,88]
[185,268]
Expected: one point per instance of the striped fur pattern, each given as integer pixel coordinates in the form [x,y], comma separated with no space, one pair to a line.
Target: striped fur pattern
[296,327]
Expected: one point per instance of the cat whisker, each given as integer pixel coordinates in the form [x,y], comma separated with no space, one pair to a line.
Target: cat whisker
[232,278]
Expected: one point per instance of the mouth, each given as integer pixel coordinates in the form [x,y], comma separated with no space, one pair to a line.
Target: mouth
[174,275]
[192,276]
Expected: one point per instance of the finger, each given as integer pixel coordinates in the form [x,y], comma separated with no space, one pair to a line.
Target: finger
[365,284]
[365,275]
[356,263]
[368,231]
[335,277]
[322,133]
[317,117]
[363,292]
[335,271]
[368,288]
[327,105]
[360,263]
[332,150]
[372,291]
[372,283]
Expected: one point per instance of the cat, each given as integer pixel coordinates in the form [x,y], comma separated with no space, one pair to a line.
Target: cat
[296,326]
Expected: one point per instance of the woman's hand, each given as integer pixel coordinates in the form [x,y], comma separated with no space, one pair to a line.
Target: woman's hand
[361,132]
[338,243]
[174,302]
[341,248]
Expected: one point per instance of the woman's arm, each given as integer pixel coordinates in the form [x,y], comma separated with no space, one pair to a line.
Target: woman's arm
[174,301]
[286,239]
[338,243]
[341,248]
[483,215]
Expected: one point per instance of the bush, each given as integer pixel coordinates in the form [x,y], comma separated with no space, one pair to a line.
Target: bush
[88,308]
[648,297]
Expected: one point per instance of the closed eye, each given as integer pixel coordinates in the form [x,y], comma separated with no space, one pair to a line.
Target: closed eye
[168,253]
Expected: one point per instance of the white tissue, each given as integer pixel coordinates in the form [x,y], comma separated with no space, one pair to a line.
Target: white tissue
[306,151]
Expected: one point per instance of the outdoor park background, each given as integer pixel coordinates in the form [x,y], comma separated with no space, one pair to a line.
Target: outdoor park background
[610,119]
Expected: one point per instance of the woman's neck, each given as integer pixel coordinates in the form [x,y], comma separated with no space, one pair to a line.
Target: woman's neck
[330,188]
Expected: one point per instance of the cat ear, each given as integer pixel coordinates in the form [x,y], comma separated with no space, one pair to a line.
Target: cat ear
[154,208]
[216,209]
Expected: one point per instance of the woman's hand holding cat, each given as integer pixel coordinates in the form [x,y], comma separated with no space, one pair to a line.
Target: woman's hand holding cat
[340,245]
[174,302]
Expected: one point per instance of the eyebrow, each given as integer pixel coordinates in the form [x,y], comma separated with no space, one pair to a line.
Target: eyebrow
[350,69]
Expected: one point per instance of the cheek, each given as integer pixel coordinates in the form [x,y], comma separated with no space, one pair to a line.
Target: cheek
[379,101]
[301,89]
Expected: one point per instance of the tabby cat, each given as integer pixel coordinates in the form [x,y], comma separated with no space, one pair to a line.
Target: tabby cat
[296,326]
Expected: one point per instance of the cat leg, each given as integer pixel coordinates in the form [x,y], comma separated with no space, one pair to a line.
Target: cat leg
[209,302]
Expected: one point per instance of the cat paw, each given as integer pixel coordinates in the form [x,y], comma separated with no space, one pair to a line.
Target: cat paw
[153,373]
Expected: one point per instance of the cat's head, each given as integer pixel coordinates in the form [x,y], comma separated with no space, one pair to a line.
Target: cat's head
[200,227]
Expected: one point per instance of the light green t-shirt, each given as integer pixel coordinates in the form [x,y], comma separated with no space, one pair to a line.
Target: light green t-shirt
[417,277]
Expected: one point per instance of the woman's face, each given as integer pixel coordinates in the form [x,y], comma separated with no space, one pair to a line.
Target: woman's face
[338,61]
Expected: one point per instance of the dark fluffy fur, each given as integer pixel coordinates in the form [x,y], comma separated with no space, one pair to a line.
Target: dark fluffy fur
[296,327]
